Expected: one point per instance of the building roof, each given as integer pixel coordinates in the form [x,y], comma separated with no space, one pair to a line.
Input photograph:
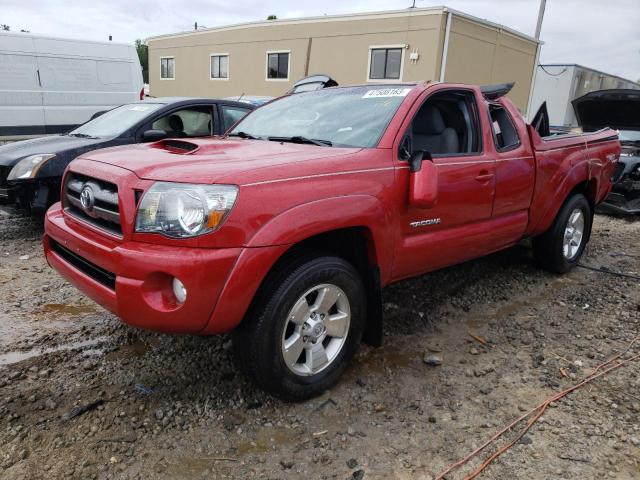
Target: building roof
[577,65]
[66,39]
[407,12]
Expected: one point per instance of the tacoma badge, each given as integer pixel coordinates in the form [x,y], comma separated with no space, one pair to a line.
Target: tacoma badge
[425,223]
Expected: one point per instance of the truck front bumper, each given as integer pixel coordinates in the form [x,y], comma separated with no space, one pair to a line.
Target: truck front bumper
[134,280]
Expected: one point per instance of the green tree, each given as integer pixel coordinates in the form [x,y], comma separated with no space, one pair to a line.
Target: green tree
[272,17]
[143,54]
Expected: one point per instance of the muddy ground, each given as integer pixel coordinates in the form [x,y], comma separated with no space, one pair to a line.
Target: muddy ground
[172,407]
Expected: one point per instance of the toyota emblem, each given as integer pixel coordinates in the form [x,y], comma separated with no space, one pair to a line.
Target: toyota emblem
[87,199]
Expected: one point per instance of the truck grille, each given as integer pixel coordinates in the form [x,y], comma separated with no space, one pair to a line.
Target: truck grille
[93,201]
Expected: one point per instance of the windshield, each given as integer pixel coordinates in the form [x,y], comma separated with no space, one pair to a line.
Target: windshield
[351,117]
[629,135]
[116,121]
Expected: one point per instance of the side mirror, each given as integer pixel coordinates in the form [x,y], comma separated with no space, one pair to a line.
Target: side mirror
[153,135]
[423,180]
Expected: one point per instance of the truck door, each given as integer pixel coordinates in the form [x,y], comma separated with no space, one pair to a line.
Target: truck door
[450,126]
[515,167]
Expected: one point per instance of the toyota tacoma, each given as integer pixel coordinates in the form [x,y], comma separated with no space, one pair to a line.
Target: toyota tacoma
[285,230]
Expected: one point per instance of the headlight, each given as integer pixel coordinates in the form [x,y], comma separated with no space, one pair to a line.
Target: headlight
[181,210]
[29,166]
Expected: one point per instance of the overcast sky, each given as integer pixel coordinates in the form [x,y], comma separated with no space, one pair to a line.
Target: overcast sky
[600,34]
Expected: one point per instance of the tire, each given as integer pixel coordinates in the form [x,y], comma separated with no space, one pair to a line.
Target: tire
[550,249]
[286,312]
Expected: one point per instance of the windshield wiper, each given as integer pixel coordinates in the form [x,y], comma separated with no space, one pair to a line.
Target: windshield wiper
[301,139]
[244,135]
[81,135]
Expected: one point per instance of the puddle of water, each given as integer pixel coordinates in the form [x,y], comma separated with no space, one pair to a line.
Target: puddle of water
[15,357]
[133,350]
[15,328]
[62,309]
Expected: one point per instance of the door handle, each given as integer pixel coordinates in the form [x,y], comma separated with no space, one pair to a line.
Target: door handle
[484,177]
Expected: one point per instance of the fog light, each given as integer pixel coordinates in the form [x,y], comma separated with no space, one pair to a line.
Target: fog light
[179,290]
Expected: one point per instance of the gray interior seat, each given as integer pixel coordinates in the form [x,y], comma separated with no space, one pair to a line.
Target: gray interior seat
[431,134]
[177,127]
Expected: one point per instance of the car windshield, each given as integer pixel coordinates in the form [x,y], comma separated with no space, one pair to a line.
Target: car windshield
[115,121]
[350,117]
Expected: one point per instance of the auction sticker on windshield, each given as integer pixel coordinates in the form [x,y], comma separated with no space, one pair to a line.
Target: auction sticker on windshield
[387,92]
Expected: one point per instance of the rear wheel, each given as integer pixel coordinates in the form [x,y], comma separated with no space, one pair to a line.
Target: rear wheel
[304,327]
[560,248]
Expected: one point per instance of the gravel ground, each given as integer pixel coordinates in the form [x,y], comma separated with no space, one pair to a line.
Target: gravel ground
[83,396]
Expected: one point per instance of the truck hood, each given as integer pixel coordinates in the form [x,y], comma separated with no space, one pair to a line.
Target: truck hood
[14,151]
[618,109]
[222,160]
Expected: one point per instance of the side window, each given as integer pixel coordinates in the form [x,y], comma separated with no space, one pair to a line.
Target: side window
[447,125]
[231,115]
[188,122]
[505,135]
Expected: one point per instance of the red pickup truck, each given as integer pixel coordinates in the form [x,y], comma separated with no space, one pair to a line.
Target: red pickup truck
[286,229]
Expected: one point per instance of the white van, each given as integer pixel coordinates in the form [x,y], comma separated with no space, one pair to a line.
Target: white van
[51,85]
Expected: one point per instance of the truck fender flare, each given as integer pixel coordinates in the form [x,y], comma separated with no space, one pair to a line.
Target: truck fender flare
[293,226]
[321,216]
[576,176]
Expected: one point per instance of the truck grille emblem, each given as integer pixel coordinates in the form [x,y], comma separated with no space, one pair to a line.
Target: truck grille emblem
[87,199]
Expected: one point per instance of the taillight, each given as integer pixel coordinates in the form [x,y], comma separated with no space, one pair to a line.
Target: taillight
[142,93]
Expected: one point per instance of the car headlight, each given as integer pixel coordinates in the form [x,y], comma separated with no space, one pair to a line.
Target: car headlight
[179,210]
[29,166]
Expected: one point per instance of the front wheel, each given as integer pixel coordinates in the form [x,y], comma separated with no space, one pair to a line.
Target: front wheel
[304,327]
[560,248]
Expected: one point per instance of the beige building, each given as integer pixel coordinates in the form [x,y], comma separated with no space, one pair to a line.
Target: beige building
[266,58]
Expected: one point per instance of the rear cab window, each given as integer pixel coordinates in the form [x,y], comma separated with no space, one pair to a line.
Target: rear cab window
[505,135]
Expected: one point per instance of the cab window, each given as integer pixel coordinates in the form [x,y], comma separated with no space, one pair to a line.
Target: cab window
[447,125]
[505,135]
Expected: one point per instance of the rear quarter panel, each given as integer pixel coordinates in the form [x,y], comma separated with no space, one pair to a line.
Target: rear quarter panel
[567,162]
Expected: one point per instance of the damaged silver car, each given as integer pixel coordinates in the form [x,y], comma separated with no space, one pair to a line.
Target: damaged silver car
[618,109]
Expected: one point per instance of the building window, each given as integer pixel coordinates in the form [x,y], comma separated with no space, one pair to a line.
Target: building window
[167,68]
[385,63]
[277,65]
[220,66]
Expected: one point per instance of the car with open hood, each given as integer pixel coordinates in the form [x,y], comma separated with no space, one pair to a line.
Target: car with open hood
[618,109]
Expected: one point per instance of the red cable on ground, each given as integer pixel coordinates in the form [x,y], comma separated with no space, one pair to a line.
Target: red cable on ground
[539,410]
